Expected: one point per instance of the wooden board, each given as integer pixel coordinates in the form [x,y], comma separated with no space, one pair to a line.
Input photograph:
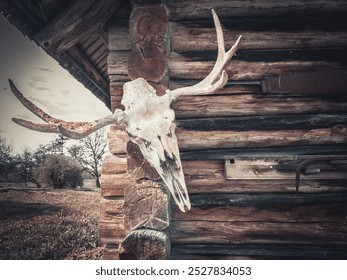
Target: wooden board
[281,168]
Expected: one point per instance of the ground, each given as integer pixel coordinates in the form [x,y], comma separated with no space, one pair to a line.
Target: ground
[49,224]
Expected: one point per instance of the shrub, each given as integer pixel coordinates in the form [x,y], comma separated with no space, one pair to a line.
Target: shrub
[59,171]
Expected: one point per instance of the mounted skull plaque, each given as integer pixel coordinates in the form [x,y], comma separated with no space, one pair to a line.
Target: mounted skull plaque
[149,119]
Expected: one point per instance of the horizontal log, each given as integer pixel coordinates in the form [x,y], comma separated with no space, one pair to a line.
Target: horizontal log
[231,87]
[221,154]
[112,233]
[111,228]
[199,140]
[266,123]
[189,36]
[266,207]
[111,211]
[263,251]
[111,252]
[114,185]
[118,32]
[117,66]
[188,66]
[199,232]
[252,104]
[208,176]
[230,9]
[118,140]
[113,164]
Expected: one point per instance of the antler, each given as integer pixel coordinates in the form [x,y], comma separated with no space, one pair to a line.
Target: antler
[74,130]
[208,85]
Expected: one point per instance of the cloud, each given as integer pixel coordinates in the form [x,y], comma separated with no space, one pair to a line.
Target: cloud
[65,92]
[34,80]
[45,69]
[54,109]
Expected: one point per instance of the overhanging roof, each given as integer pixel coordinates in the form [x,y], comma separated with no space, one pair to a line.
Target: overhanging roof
[73,33]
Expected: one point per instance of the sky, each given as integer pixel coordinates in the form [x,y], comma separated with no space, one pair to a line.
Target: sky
[44,82]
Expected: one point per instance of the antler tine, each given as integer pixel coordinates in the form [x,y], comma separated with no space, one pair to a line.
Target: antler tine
[207,85]
[75,130]
[91,127]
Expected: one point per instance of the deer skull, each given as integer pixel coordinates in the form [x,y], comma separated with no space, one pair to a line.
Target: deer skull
[149,119]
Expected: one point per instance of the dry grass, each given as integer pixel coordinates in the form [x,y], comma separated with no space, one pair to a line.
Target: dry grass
[49,224]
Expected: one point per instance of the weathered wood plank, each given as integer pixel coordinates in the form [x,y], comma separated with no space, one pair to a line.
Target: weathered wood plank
[190,36]
[78,19]
[183,9]
[112,229]
[258,232]
[84,63]
[114,164]
[208,176]
[263,251]
[113,185]
[252,104]
[277,168]
[118,32]
[266,207]
[222,154]
[118,66]
[266,123]
[231,87]
[189,66]
[199,140]
[118,140]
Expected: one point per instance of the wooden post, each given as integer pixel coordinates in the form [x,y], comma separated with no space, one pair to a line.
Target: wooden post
[147,203]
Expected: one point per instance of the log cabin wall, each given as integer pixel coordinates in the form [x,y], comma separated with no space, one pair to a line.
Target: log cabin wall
[242,146]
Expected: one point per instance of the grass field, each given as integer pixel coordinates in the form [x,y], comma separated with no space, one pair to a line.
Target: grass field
[49,224]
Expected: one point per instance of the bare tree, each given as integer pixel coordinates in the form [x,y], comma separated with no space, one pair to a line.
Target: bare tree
[6,159]
[26,164]
[89,153]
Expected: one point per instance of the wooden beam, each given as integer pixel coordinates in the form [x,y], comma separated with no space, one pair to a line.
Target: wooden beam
[262,251]
[266,207]
[200,140]
[196,9]
[219,232]
[192,37]
[253,104]
[78,19]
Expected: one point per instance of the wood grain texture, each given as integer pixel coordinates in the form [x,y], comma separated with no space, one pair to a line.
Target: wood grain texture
[118,139]
[112,229]
[266,207]
[113,164]
[77,20]
[252,105]
[147,206]
[145,244]
[216,232]
[262,251]
[183,9]
[191,36]
[208,176]
[113,185]
[196,140]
